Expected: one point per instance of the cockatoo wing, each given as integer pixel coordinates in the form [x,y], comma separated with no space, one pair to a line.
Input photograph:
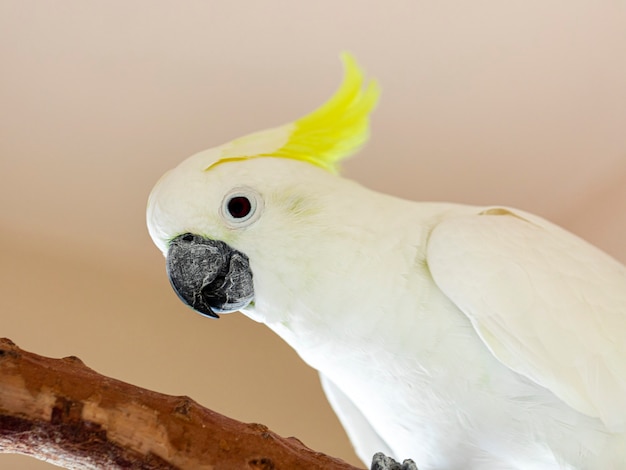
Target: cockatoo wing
[546,303]
[363,436]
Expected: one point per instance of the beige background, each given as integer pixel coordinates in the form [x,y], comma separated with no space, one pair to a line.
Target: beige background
[519,103]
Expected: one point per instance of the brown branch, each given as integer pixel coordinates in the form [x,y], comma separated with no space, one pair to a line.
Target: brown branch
[61,411]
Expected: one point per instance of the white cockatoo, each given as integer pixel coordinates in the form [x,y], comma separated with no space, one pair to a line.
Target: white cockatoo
[463,337]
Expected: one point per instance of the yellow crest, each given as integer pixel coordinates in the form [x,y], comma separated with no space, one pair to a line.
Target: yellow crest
[324,137]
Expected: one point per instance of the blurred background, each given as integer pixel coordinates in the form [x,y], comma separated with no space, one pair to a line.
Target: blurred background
[520,103]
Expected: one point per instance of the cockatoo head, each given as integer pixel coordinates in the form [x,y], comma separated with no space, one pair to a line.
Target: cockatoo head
[224,212]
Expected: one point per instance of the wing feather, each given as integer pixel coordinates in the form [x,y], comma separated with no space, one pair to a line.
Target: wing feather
[546,303]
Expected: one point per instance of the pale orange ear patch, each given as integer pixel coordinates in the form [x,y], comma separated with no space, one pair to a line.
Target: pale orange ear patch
[503,211]
[498,211]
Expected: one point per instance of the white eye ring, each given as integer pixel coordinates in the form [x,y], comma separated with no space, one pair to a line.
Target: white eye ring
[241,207]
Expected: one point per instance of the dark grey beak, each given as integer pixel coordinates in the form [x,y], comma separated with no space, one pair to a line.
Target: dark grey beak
[208,275]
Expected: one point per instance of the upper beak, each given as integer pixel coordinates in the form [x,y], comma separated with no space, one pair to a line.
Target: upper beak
[208,275]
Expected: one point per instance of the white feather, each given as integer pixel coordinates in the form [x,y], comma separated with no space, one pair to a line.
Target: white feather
[547,304]
[464,341]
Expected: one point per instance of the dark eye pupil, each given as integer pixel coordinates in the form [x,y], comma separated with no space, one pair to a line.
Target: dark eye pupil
[239,207]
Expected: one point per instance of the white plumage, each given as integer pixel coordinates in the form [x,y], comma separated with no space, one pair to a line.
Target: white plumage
[462,337]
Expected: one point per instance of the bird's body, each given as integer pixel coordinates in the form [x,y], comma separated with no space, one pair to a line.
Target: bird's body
[404,353]
[462,337]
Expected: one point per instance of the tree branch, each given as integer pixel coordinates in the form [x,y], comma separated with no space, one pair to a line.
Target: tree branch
[61,411]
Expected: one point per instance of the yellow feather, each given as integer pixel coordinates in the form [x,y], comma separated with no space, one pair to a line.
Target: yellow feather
[334,131]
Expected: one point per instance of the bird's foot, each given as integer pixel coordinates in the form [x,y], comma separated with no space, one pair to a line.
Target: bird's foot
[381,462]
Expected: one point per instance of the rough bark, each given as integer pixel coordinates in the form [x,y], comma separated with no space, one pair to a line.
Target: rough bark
[61,411]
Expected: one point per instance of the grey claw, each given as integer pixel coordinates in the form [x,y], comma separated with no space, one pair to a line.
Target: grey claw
[408,464]
[381,462]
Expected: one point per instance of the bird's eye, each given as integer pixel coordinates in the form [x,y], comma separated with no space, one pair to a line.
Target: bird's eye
[241,207]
